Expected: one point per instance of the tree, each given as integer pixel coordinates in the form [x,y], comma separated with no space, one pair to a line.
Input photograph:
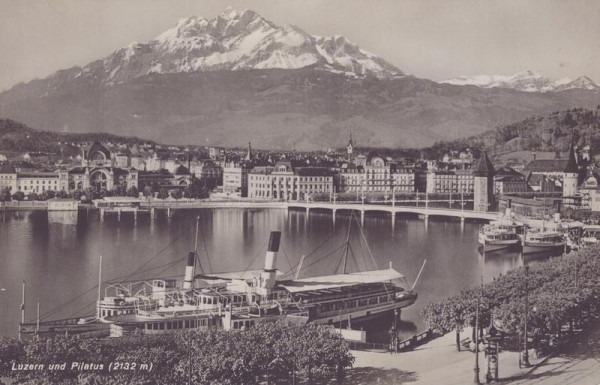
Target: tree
[76,194]
[133,192]
[163,193]
[62,194]
[18,196]
[148,192]
[47,194]
[5,194]
[176,193]
[32,196]
[119,191]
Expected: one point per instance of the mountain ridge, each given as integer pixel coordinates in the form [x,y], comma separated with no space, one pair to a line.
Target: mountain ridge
[526,81]
[234,41]
[314,105]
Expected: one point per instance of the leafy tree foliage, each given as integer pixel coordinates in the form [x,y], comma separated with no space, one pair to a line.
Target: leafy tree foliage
[272,350]
[5,195]
[176,193]
[148,192]
[559,291]
[133,192]
[163,193]
[18,196]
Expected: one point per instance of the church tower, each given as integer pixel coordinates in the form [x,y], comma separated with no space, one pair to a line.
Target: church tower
[249,153]
[570,175]
[483,186]
[350,146]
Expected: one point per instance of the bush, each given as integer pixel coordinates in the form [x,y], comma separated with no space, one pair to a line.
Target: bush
[276,350]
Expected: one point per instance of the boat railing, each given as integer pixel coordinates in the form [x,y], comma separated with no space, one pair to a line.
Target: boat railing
[355,293]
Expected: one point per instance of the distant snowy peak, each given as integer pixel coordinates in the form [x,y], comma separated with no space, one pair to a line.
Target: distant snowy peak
[237,41]
[582,82]
[528,81]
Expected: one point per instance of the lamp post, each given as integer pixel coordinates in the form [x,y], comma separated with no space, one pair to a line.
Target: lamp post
[525,352]
[395,330]
[476,368]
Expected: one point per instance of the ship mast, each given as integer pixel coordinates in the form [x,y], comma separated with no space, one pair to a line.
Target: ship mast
[99,288]
[347,244]
[22,310]
[188,281]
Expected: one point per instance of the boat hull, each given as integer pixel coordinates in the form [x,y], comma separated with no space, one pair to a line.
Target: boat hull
[495,246]
[364,314]
[532,247]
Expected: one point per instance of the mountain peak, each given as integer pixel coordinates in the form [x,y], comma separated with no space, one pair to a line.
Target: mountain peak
[526,81]
[236,40]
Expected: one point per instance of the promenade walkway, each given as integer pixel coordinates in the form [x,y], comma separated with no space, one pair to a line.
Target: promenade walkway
[438,363]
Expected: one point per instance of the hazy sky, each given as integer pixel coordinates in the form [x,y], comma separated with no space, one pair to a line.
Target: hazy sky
[431,39]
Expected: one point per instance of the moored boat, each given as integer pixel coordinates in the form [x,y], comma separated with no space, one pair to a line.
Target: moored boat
[238,300]
[543,240]
[498,235]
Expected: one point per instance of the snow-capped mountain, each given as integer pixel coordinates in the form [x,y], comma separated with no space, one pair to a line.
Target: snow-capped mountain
[528,81]
[237,41]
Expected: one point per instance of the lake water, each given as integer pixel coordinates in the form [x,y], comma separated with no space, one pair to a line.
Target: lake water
[58,254]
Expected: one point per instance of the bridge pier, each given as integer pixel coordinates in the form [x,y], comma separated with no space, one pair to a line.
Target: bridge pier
[119,215]
[135,215]
[393,219]
[307,211]
[101,214]
[333,213]
[462,224]
[362,217]
[152,213]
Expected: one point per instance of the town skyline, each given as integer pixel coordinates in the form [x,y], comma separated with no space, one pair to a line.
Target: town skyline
[425,39]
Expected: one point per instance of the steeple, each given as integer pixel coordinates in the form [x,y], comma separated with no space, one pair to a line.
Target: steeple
[350,146]
[571,166]
[484,166]
[249,153]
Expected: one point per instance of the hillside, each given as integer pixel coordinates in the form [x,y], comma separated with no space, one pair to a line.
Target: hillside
[551,132]
[304,108]
[18,137]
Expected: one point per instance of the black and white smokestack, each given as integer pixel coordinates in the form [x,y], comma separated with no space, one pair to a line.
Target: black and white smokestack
[189,270]
[271,257]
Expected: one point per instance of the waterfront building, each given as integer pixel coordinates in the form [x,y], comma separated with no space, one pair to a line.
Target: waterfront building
[509,181]
[588,188]
[235,178]
[563,171]
[29,181]
[450,181]
[284,182]
[38,182]
[207,170]
[543,183]
[8,177]
[164,179]
[376,174]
